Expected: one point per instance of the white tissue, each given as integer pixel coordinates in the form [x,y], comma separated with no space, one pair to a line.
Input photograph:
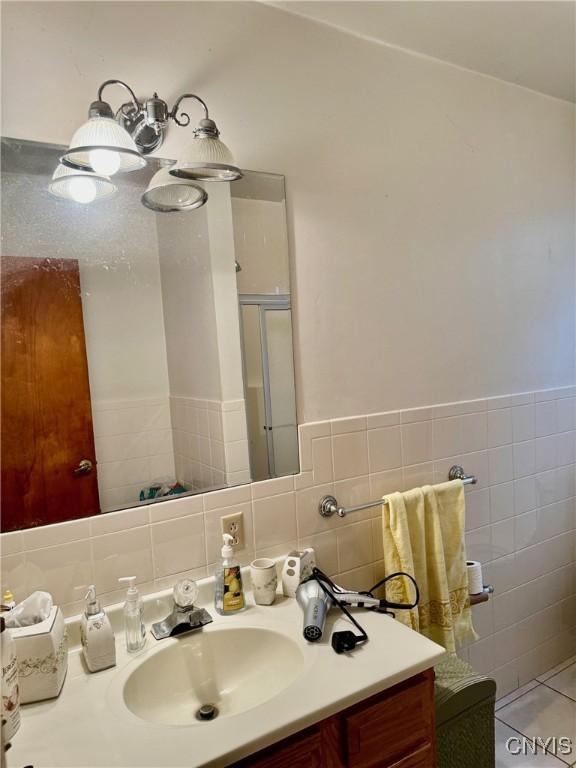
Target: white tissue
[34,609]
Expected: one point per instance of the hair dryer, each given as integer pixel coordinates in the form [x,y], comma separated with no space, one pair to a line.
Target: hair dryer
[316,601]
[317,594]
[315,604]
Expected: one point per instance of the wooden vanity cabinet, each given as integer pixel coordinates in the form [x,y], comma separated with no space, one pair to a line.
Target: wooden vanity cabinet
[393,729]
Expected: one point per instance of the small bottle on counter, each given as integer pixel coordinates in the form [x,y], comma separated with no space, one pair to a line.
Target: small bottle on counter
[10,691]
[96,635]
[229,593]
[134,628]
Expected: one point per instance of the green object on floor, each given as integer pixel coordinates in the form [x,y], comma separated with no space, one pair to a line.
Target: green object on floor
[465,705]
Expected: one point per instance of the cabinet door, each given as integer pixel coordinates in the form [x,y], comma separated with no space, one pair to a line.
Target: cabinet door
[299,751]
[422,758]
[392,727]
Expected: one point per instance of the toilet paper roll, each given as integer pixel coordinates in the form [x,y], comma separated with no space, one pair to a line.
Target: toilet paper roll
[475,582]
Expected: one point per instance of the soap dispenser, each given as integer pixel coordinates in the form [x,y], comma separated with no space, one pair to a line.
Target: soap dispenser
[229,593]
[8,602]
[96,635]
[134,628]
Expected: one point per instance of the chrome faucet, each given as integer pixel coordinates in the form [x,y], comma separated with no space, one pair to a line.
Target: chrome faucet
[184,617]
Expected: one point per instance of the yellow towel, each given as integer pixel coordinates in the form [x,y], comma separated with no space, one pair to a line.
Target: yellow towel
[423,532]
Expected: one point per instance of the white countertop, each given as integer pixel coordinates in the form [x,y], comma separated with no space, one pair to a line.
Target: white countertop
[89,726]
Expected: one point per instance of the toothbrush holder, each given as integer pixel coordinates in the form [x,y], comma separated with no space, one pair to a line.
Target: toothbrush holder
[264,580]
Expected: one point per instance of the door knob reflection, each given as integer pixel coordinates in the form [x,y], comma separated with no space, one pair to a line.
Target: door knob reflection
[84,467]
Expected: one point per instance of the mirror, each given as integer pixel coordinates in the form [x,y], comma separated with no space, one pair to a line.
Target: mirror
[144,355]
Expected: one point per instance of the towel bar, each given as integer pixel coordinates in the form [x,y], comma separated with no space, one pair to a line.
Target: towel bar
[329,506]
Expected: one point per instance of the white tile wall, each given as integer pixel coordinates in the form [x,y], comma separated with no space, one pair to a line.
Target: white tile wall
[521,519]
[133,441]
[210,442]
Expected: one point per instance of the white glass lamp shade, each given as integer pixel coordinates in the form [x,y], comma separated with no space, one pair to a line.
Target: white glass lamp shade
[206,159]
[103,146]
[80,186]
[167,194]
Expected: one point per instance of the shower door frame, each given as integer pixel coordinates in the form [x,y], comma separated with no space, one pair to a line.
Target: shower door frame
[265,303]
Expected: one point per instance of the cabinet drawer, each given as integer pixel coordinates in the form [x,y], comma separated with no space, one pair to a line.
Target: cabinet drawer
[399,723]
[300,751]
[422,758]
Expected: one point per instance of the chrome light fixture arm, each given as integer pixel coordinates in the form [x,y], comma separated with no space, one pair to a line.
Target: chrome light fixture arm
[106,83]
[185,115]
[147,121]
[206,127]
[101,108]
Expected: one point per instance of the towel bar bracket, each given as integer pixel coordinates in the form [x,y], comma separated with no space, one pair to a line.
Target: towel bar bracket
[329,506]
[482,597]
[457,473]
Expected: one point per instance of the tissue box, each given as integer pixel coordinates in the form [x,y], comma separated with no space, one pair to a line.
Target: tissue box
[42,653]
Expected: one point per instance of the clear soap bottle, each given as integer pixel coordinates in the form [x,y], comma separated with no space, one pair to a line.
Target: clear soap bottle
[229,593]
[134,628]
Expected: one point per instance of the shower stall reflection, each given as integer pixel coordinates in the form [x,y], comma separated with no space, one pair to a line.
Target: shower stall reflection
[269,384]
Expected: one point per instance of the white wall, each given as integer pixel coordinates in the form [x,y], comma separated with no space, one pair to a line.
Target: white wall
[261,244]
[222,256]
[430,209]
[188,302]
[200,303]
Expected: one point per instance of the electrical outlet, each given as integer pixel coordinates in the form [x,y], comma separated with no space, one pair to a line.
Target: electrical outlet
[234,525]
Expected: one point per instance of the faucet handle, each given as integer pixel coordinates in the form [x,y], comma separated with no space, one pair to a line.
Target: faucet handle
[185,593]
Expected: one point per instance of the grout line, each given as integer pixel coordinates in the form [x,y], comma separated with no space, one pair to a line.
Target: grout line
[538,684]
[526,736]
[520,695]
[565,665]
[525,584]
[564,695]
[402,462]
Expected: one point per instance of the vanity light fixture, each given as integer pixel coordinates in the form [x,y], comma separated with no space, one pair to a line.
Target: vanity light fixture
[108,142]
[206,158]
[165,193]
[102,144]
[80,186]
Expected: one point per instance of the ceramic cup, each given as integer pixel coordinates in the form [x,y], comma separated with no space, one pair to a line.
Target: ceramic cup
[264,580]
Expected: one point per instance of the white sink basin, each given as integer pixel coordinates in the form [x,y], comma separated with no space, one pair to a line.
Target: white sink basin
[232,669]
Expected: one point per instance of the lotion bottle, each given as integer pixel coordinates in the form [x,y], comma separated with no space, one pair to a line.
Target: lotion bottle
[229,593]
[96,635]
[10,695]
[134,628]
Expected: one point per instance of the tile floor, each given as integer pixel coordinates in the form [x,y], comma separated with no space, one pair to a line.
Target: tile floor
[544,707]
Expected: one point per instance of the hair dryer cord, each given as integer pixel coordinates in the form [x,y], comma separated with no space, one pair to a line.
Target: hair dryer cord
[345,641]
